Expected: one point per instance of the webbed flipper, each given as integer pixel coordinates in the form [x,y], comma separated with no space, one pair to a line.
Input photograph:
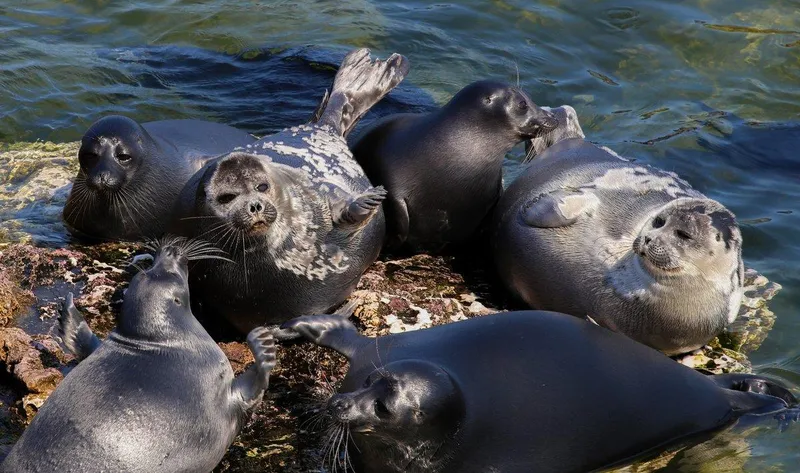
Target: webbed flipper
[75,332]
[359,84]
[359,210]
[559,208]
[248,388]
[331,331]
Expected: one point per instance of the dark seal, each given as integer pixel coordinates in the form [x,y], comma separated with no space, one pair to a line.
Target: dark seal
[443,170]
[130,174]
[294,210]
[158,395]
[526,392]
[586,232]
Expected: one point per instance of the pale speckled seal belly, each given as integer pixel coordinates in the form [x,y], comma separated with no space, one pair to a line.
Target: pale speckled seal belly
[586,232]
[294,210]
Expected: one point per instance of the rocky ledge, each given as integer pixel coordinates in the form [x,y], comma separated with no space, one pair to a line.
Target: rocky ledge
[38,266]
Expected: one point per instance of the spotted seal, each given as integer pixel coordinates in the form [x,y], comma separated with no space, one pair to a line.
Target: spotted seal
[294,210]
[586,232]
[158,395]
[526,392]
[130,174]
[443,169]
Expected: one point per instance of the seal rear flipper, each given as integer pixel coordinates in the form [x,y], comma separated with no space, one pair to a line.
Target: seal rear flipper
[558,208]
[358,210]
[331,331]
[755,384]
[75,332]
[359,84]
[248,388]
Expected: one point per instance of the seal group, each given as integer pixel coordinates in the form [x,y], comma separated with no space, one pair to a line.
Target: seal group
[628,263]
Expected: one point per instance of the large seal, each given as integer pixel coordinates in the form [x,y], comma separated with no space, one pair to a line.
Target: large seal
[586,232]
[158,395]
[524,392]
[294,210]
[130,174]
[443,170]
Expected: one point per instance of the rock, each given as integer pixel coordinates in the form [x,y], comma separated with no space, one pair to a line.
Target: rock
[12,297]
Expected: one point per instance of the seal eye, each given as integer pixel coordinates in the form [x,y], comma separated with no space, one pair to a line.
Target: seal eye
[177,301]
[523,105]
[658,222]
[487,100]
[124,158]
[262,187]
[226,198]
[380,409]
[683,235]
[719,237]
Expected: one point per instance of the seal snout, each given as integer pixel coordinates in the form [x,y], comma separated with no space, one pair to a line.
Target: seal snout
[340,407]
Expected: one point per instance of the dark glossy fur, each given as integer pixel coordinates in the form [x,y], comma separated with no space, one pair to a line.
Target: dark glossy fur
[157,396]
[443,170]
[130,174]
[521,392]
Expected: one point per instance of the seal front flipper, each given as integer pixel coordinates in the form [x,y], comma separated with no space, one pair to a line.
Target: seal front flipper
[248,388]
[75,332]
[331,331]
[358,210]
[558,208]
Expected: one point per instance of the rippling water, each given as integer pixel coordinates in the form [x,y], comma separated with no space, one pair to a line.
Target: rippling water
[708,89]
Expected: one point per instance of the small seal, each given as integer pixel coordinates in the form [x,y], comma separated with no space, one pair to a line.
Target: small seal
[158,395]
[294,210]
[467,397]
[443,170]
[586,232]
[568,127]
[130,174]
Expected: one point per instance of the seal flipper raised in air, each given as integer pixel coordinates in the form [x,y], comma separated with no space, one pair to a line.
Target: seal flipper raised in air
[75,332]
[248,388]
[355,211]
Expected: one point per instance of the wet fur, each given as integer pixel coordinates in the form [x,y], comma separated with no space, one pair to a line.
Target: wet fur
[443,169]
[311,255]
[165,155]
[590,267]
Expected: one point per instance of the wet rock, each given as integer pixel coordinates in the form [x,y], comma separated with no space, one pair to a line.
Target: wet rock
[25,361]
[12,297]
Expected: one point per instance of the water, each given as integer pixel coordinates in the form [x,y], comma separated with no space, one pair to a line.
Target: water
[708,89]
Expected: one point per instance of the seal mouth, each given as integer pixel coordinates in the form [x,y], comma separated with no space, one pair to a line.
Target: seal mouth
[664,269]
[259,227]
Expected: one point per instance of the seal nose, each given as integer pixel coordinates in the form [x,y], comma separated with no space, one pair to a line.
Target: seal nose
[340,405]
[256,207]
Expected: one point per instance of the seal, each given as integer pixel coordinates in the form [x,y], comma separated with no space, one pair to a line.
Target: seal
[294,210]
[130,174]
[586,232]
[443,169]
[519,392]
[158,395]
[568,127]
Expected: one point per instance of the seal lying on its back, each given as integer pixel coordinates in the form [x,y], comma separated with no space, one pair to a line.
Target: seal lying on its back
[443,170]
[585,232]
[131,174]
[158,395]
[295,211]
[526,392]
